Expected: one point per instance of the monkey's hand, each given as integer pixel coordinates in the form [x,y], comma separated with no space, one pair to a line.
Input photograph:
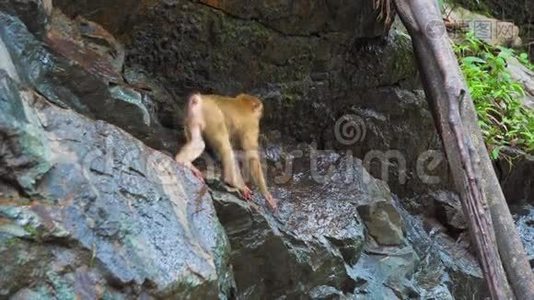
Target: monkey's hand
[271,201]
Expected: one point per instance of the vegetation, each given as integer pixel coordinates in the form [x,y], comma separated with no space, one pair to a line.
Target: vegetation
[503,118]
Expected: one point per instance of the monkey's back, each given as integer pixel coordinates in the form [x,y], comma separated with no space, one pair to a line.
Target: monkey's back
[237,112]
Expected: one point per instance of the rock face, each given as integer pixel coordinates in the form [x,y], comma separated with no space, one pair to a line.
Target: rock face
[91,212]
[33,13]
[88,211]
[311,64]
[339,233]
[79,66]
[115,16]
[516,177]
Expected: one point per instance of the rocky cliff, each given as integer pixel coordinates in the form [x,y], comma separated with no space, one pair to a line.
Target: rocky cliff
[93,206]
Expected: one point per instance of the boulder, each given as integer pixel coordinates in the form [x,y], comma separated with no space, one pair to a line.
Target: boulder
[88,211]
[77,64]
[338,232]
[34,13]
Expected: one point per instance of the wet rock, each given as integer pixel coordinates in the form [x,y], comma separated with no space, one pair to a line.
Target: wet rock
[383,223]
[376,279]
[86,44]
[391,129]
[441,206]
[445,269]
[323,242]
[330,65]
[156,98]
[517,176]
[79,66]
[116,16]
[307,246]
[6,63]
[88,211]
[524,220]
[270,259]
[34,13]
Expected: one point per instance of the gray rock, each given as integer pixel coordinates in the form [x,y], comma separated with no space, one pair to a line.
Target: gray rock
[311,64]
[80,77]
[115,16]
[34,13]
[91,212]
[521,13]
[523,76]
[323,242]
[516,176]
[383,222]
[524,219]
[445,269]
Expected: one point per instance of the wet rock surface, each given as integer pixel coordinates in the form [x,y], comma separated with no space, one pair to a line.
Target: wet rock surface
[87,210]
[516,175]
[115,16]
[33,13]
[312,65]
[77,64]
[322,243]
[91,212]
[524,216]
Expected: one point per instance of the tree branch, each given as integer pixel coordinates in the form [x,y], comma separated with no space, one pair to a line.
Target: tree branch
[469,161]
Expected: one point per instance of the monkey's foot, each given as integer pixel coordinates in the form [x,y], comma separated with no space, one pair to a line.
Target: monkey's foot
[232,189]
[246,193]
[272,202]
[197,173]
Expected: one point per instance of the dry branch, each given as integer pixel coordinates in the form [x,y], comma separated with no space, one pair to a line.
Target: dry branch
[467,155]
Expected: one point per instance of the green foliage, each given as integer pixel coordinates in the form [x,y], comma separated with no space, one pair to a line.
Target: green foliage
[523,58]
[498,99]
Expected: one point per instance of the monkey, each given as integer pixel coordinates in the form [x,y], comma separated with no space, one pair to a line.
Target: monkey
[225,123]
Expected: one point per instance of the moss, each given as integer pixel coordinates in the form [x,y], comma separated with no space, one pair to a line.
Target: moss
[32,231]
[401,62]
[9,242]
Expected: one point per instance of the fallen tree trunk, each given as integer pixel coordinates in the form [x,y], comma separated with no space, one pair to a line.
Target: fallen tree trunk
[467,155]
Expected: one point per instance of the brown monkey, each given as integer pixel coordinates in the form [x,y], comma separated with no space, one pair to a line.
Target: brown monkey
[223,122]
